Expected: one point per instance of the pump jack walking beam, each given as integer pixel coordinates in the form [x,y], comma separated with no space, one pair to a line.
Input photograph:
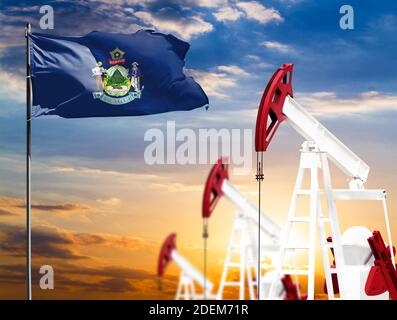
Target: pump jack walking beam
[277,105]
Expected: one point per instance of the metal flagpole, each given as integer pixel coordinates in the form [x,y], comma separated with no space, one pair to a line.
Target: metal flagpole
[28,170]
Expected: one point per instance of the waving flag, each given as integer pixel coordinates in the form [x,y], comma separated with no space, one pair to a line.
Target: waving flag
[106,74]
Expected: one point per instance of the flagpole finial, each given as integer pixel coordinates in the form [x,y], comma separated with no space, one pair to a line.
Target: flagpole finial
[28,29]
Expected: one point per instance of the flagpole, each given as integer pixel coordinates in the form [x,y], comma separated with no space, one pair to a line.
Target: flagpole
[28,170]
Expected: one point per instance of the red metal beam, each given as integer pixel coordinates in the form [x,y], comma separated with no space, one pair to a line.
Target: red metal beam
[383,275]
[291,289]
[213,187]
[165,258]
[279,86]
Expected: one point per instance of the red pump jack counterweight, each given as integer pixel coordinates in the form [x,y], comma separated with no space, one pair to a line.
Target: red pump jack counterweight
[383,275]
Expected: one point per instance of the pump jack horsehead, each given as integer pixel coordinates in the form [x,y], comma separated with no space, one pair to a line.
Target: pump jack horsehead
[363,267]
[242,253]
[189,276]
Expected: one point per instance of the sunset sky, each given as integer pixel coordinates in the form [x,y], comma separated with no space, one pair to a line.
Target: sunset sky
[100,213]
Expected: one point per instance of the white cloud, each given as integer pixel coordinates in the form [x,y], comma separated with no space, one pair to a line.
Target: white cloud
[275,45]
[328,104]
[208,3]
[227,14]
[109,201]
[256,62]
[253,57]
[13,87]
[256,11]
[178,187]
[97,172]
[235,70]
[186,27]
[213,83]
[264,65]
[323,94]
[290,2]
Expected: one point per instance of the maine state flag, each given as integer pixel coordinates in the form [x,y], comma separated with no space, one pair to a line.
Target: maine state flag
[106,74]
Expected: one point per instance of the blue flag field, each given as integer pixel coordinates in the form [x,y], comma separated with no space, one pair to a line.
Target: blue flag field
[107,74]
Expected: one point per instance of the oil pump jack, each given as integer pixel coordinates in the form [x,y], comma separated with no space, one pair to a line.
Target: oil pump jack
[242,252]
[189,276]
[278,105]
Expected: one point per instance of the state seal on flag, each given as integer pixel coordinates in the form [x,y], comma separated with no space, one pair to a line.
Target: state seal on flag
[118,84]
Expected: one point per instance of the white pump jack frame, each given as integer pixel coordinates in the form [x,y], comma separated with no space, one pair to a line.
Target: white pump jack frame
[246,224]
[344,158]
[323,143]
[189,275]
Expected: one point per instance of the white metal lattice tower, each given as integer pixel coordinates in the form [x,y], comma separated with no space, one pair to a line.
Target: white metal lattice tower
[239,246]
[186,289]
[313,161]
